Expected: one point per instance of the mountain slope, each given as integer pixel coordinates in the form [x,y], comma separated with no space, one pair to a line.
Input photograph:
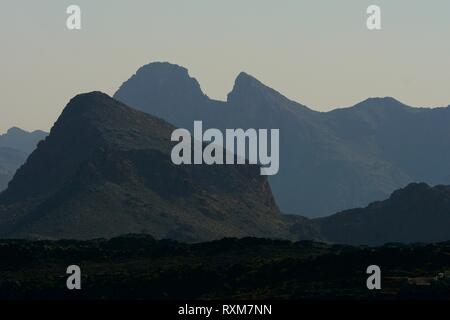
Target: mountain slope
[10,160]
[329,161]
[15,145]
[105,170]
[416,213]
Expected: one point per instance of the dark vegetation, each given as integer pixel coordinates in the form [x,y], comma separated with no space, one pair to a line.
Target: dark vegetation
[140,267]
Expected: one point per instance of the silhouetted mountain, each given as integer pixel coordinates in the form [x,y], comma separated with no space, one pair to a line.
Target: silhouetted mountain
[105,170]
[169,93]
[15,146]
[329,161]
[21,140]
[416,213]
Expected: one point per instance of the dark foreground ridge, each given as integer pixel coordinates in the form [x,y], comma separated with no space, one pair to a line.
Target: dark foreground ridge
[416,213]
[140,267]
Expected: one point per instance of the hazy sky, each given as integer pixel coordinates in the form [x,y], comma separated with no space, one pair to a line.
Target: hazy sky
[316,52]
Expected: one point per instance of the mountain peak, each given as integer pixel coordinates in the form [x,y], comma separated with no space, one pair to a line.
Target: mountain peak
[246,86]
[86,101]
[164,90]
[15,131]
[19,132]
[163,69]
[246,82]
[244,78]
[85,107]
[21,140]
[381,101]
[162,78]
[249,92]
[91,95]
[411,188]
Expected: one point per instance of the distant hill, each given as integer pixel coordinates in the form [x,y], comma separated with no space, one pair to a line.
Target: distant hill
[21,140]
[105,170]
[15,146]
[416,213]
[329,161]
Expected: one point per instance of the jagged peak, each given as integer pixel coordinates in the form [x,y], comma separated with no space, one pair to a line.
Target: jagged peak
[246,84]
[248,90]
[162,78]
[244,78]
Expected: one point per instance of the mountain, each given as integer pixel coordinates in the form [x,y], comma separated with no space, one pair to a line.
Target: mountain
[416,213]
[169,93]
[105,170]
[15,146]
[329,161]
[21,140]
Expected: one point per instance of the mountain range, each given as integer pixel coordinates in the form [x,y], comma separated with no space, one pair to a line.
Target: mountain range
[15,146]
[329,161]
[105,170]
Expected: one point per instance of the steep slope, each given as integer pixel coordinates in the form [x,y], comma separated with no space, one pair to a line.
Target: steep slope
[416,213]
[15,146]
[329,161]
[10,160]
[105,170]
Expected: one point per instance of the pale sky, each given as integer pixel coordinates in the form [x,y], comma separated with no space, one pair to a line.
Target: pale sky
[317,52]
